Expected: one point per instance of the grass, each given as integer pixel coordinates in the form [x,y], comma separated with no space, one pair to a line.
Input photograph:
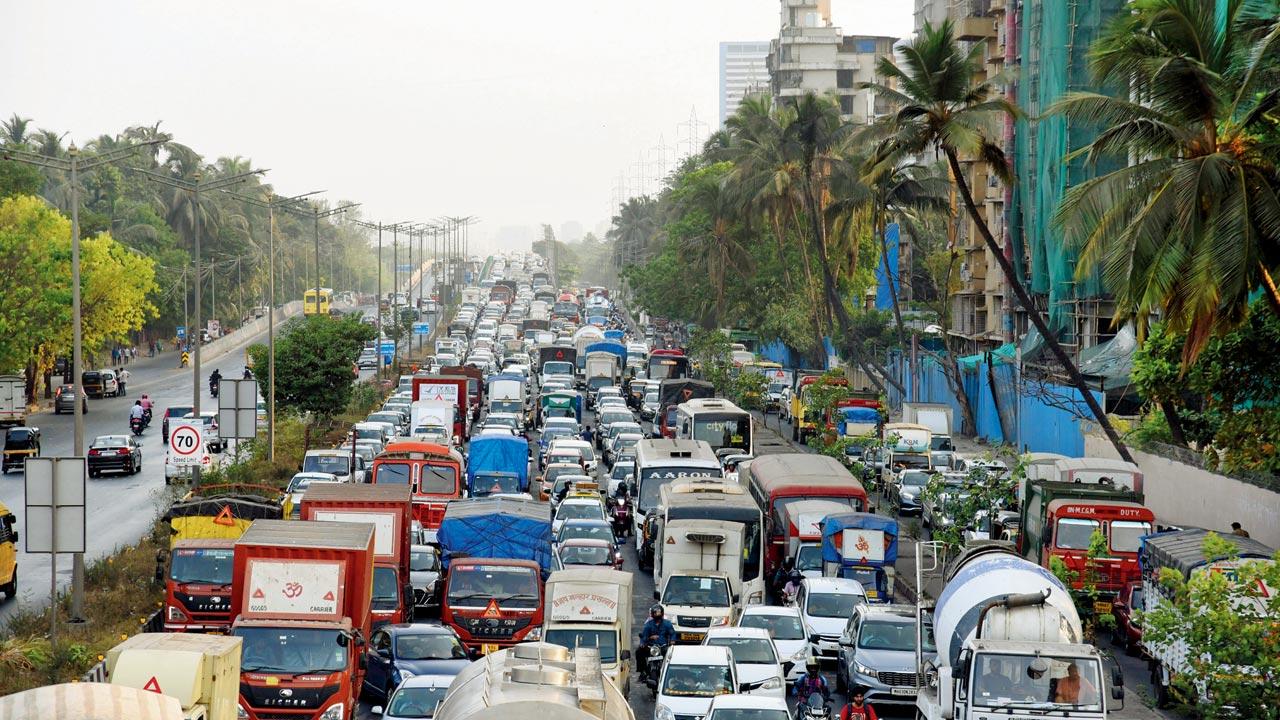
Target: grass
[120,596]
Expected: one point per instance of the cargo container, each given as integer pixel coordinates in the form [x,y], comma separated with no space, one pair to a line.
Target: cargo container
[84,701]
[388,508]
[449,390]
[302,592]
[201,671]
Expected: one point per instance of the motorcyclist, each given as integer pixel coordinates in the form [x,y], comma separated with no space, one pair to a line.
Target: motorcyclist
[657,631]
[215,379]
[811,682]
[146,402]
[248,374]
[136,412]
[793,584]
[781,575]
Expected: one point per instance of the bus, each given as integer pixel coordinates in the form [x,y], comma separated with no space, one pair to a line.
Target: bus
[309,301]
[717,422]
[433,473]
[711,525]
[658,463]
[668,365]
[777,480]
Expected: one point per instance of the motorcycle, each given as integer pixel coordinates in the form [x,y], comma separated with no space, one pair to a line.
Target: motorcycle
[815,708]
[146,417]
[620,516]
[653,666]
[136,424]
[213,388]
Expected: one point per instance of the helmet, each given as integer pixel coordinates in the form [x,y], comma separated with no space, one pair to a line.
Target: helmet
[811,664]
[145,397]
[656,611]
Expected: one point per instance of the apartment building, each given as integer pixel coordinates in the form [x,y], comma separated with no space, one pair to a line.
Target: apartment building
[744,70]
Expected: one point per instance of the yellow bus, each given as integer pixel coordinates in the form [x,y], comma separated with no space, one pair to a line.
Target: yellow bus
[309,301]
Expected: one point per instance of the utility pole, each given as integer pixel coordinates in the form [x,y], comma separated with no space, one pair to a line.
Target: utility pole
[377,300]
[74,163]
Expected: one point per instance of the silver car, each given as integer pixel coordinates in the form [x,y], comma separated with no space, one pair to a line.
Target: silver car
[877,652]
[424,576]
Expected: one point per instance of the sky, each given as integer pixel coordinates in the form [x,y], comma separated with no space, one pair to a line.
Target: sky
[518,112]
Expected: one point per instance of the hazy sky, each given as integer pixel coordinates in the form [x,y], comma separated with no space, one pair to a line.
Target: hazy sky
[518,111]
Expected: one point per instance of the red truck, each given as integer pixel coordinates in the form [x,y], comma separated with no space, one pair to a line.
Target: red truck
[302,591]
[452,389]
[389,509]
[432,472]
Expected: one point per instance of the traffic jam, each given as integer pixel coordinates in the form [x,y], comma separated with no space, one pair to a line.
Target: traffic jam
[556,508]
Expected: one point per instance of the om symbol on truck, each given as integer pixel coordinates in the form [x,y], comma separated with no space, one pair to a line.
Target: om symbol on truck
[862,544]
[292,590]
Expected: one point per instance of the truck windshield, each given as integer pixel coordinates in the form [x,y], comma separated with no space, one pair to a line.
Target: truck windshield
[697,591]
[495,484]
[916,462]
[1126,533]
[392,473]
[941,442]
[809,558]
[1074,533]
[895,634]
[211,566]
[572,638]
[438,480]
[557,368]
[386,591]
[698,681]
[475,585]
[326,463]
[291,650]
[1015,680]
[506,406]
[781,627]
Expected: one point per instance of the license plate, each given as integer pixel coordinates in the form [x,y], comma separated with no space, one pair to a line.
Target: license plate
[902,691]
[487,648]
[1101,608]
[691,637]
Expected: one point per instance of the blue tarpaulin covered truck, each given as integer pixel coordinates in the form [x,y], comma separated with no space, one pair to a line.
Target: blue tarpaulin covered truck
[862,547]
[508,528]
[497,464]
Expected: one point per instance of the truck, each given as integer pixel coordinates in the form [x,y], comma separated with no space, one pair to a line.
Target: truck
[1058,519]
[803,536]
[201,671]
[563,403]
[591,608]
[203,528]
[389,510]
[475,386]
[449,391]
[506,394]
[1183,552]
[85,701]
[302,592]
[582,337]
[862,547]
[425,413]
[556,353]
[907,446]
[13,400]
[1118,474]
[602,369]
[496,552]
[1007,635]
[670,394]
[498,464]
[940,419]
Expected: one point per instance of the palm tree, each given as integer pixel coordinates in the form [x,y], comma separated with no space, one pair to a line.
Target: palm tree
[1191,227]
[13,131]
[943,108]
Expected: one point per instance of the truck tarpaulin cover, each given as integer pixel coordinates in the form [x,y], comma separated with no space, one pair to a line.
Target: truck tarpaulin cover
[859,416]
[674,392]
[610,347]
[496,528]
[614,334]
[834,537]
[501,454]
[1183,550]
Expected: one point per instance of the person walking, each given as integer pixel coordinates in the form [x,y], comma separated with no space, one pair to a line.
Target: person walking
[122,379]
[857,708]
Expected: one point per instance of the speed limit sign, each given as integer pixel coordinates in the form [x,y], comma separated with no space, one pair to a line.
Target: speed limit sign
[187,445]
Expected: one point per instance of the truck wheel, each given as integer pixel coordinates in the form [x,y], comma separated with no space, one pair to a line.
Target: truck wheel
[1161,690]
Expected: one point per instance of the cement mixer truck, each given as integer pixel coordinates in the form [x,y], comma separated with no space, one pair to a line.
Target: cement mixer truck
[1009,643]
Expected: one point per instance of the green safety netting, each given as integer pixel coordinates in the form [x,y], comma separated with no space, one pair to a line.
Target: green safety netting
[1005,354]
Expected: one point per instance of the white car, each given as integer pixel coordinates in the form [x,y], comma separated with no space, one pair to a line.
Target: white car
[582,447]
[826,604]
[577,508]
[695,600]
[748,707]
[298,485]
[786,626]
[754,659]
[416,697]
[691,678]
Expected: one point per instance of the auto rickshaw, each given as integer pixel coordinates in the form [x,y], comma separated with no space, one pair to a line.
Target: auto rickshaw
[20,443]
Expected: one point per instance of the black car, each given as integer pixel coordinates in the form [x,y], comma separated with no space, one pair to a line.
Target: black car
[115,453]
[173,411]
[64,400]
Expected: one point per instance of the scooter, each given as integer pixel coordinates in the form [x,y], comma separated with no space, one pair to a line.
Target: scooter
[146,417]
[621,516]
[136,424]
[213,388]
[653,666]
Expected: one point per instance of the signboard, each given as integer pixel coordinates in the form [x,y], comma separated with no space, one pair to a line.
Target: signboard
[55,519]
[186,446]
[384,527]
[421,328]
[182,332]
[404,268]
[238,409]
[437,392]
[302,589]
[861,544]
[584,602]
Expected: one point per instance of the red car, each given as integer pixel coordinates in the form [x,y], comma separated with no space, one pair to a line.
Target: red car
[1127,633]
[176,411]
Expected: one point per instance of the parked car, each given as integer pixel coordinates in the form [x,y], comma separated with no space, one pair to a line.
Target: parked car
[114,453]
[395,652]
[64,400]
[877,652]
[177,412]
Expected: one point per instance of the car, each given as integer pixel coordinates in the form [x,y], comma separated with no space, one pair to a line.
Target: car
[173,471]
[100,383]
[367,360]
[934,508]
[696,600]
[371,431]
[619,443]
[754,658]
[114,453]
[438,434]
[878,653]
[297,487]
[1127,633]
[908,488]
[363,450]
[582,552]
[649,407]
[566,456]
[626,427]
[785,625]
[176,413]
[576,507]
[335,462]
[826,604]
[587,528]
[64,400]
[691,677]
[261,414]
[549,435]
[396,419]
[552,472]
[415,698]
[748,707]
[209,431]
[397,651]
[581,447]
[510,420]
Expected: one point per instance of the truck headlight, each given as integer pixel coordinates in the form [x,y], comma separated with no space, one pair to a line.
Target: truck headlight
[534,634]
[241,713]
[662,712]
[175,614]
[333,713]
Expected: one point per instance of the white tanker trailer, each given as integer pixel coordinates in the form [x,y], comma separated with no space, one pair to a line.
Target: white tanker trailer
[1009,645]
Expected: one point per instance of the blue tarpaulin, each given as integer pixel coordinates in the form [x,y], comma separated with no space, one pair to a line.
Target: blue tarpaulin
[496,528]
[860,416]
[616,348]
[498,453]
[614,334]
[887,276]
[833,527]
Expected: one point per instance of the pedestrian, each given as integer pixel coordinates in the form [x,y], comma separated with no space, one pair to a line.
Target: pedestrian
[115,356]
[857,708]
[1237,530]
[122,379]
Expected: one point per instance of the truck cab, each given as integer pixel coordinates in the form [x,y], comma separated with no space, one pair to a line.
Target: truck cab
[696,600]
[198,587]
[493,603]
[8,553]
[591,607]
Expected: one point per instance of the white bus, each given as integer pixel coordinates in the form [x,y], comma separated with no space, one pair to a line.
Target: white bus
[717,422]
[711,525]
[661,461]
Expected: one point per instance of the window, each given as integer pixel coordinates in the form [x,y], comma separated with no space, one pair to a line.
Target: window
[844,79]
[1126,533]
[1074,534]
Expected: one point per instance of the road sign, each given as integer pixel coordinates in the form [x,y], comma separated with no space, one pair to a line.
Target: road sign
[186,444]
[182,332]
[405,268]
[55,504]
[421,328]
[238,409]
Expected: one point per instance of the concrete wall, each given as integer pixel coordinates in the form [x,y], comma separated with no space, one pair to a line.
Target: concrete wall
[1182,494]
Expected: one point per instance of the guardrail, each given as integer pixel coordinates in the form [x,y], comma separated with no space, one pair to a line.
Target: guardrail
[98,673]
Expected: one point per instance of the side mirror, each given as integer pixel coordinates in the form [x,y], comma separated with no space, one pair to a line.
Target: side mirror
[787,667]
[737,598]
[364,662]
[1117,677]
[15,537]
[655,594]
[625,655]
[376,710]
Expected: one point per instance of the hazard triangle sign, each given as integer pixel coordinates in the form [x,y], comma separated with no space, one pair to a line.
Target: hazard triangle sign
[225,517]
[492,610]
[153,685]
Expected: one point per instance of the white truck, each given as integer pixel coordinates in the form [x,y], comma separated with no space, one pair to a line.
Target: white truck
[429,413]
[591,607]
[201,671]
[602,370]
[940,420]
[1010,645]
[13,400]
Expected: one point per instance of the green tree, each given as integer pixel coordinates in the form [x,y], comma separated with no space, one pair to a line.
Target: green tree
[943,106]
[1191,227]
[19,179]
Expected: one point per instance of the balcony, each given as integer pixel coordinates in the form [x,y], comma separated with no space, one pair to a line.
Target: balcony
[976,28]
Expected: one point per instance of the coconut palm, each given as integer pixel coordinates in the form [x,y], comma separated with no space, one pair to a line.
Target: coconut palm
[943,107]
[13,132]
[1191,227]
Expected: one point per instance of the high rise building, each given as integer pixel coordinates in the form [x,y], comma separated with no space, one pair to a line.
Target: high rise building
[743,71]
